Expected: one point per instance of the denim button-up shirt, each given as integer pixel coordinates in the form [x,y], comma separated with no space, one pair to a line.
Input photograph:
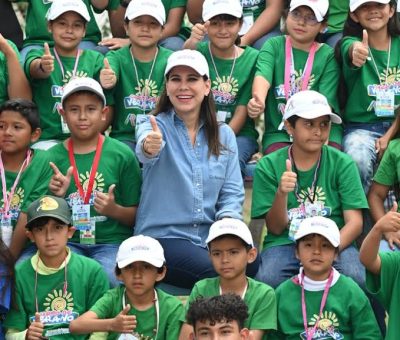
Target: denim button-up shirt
[184,190]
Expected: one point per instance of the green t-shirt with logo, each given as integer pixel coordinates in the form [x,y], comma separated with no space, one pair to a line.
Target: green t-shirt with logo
[171,314]
[259,297]
[337,15]
[386,288]
[363,82]
[130,96]
[324,78]
[347,313]
[117,165]
[231,91]
[4,79]
[338,188]
[36,23]
[47,92]
[253,6]
[32,184]
[59,301]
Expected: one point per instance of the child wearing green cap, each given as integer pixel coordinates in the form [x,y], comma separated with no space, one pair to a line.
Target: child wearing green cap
[54,286]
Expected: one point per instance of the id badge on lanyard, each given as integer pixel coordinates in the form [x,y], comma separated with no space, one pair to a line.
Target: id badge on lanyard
[6,229]
[384,105]
[84,223]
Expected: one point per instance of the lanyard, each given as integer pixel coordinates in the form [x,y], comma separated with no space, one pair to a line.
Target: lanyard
[289,84]
[310,333]
[315,177]
[143,96]
[8,198]
[215,67]
[85,196]
[78,54]
[156,305]
[387,63]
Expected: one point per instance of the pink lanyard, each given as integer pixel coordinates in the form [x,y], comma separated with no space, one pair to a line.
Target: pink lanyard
[78,54]
[289,68]
[7,198]
[310,333]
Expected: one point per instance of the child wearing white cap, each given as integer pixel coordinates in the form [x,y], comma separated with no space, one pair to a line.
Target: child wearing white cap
[308,178]
[369,54]
[136,309]
[319,302]
[191,173]
[135,73]
[292,63]
[231,249]
[37,32]
[231,86]
[49,69]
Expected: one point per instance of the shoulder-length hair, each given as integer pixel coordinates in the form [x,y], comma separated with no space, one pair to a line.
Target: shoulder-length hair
[207,114]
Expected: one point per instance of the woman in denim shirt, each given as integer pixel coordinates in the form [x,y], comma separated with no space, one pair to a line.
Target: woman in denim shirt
[191,174]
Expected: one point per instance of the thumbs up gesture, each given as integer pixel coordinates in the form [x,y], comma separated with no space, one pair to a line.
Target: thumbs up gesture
[104,203]
[199,31]
[255,106]
[360,51]
[107,76]
[288,179]
[35,329]
[46,61]
[153,141]
[124,323]
[59,183]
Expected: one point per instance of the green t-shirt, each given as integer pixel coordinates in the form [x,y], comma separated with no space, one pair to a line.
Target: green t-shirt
[253,6]
[170,4]
[386,287]
[47,92]
[36,23]
[324,78]
[4,80]
[388,172]
[347,313]
[32,184]
[337,15]
[171,314]
[362,82]
[119,166]
[231,91]
[259,297]
[86,283]
[338,188]
[130,96]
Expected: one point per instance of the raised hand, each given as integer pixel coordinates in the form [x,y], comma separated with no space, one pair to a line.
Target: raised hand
[107,76]
[360,51]
[255,107]
[199,31]
[124,323]
[59,183]
[153,141]
[47,60]
[288,179]
[35,329]
[104,203]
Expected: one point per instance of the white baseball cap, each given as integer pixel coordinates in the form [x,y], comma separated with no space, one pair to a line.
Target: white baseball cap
[354,4]
[211,8]
[309,105]
[83,84]
[191,58]
[59,7]
[319,7]
[140,248]
[154,8]
[230,226]
[319,225]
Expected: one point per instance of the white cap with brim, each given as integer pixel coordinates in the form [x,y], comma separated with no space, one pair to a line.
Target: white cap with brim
[309,105]
[319,225]
[154,8]
[83,84]
[190,58]
[230,226]
[212,8]
[354,4]
[140,248]
[319,7]
[60,7]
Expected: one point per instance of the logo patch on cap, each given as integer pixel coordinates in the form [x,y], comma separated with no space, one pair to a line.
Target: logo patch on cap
[47,203]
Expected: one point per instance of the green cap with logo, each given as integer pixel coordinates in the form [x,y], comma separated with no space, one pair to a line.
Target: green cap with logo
[49,206]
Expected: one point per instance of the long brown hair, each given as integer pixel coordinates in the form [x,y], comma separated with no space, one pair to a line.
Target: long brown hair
[207,113]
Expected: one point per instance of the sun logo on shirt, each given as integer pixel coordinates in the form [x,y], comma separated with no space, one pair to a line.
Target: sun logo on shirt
[17,198]
[147,88]
[69,75]
[391,75]
[327,321]
[226,84]
[306,193]
[299,80]
[98,184]
[59,301]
